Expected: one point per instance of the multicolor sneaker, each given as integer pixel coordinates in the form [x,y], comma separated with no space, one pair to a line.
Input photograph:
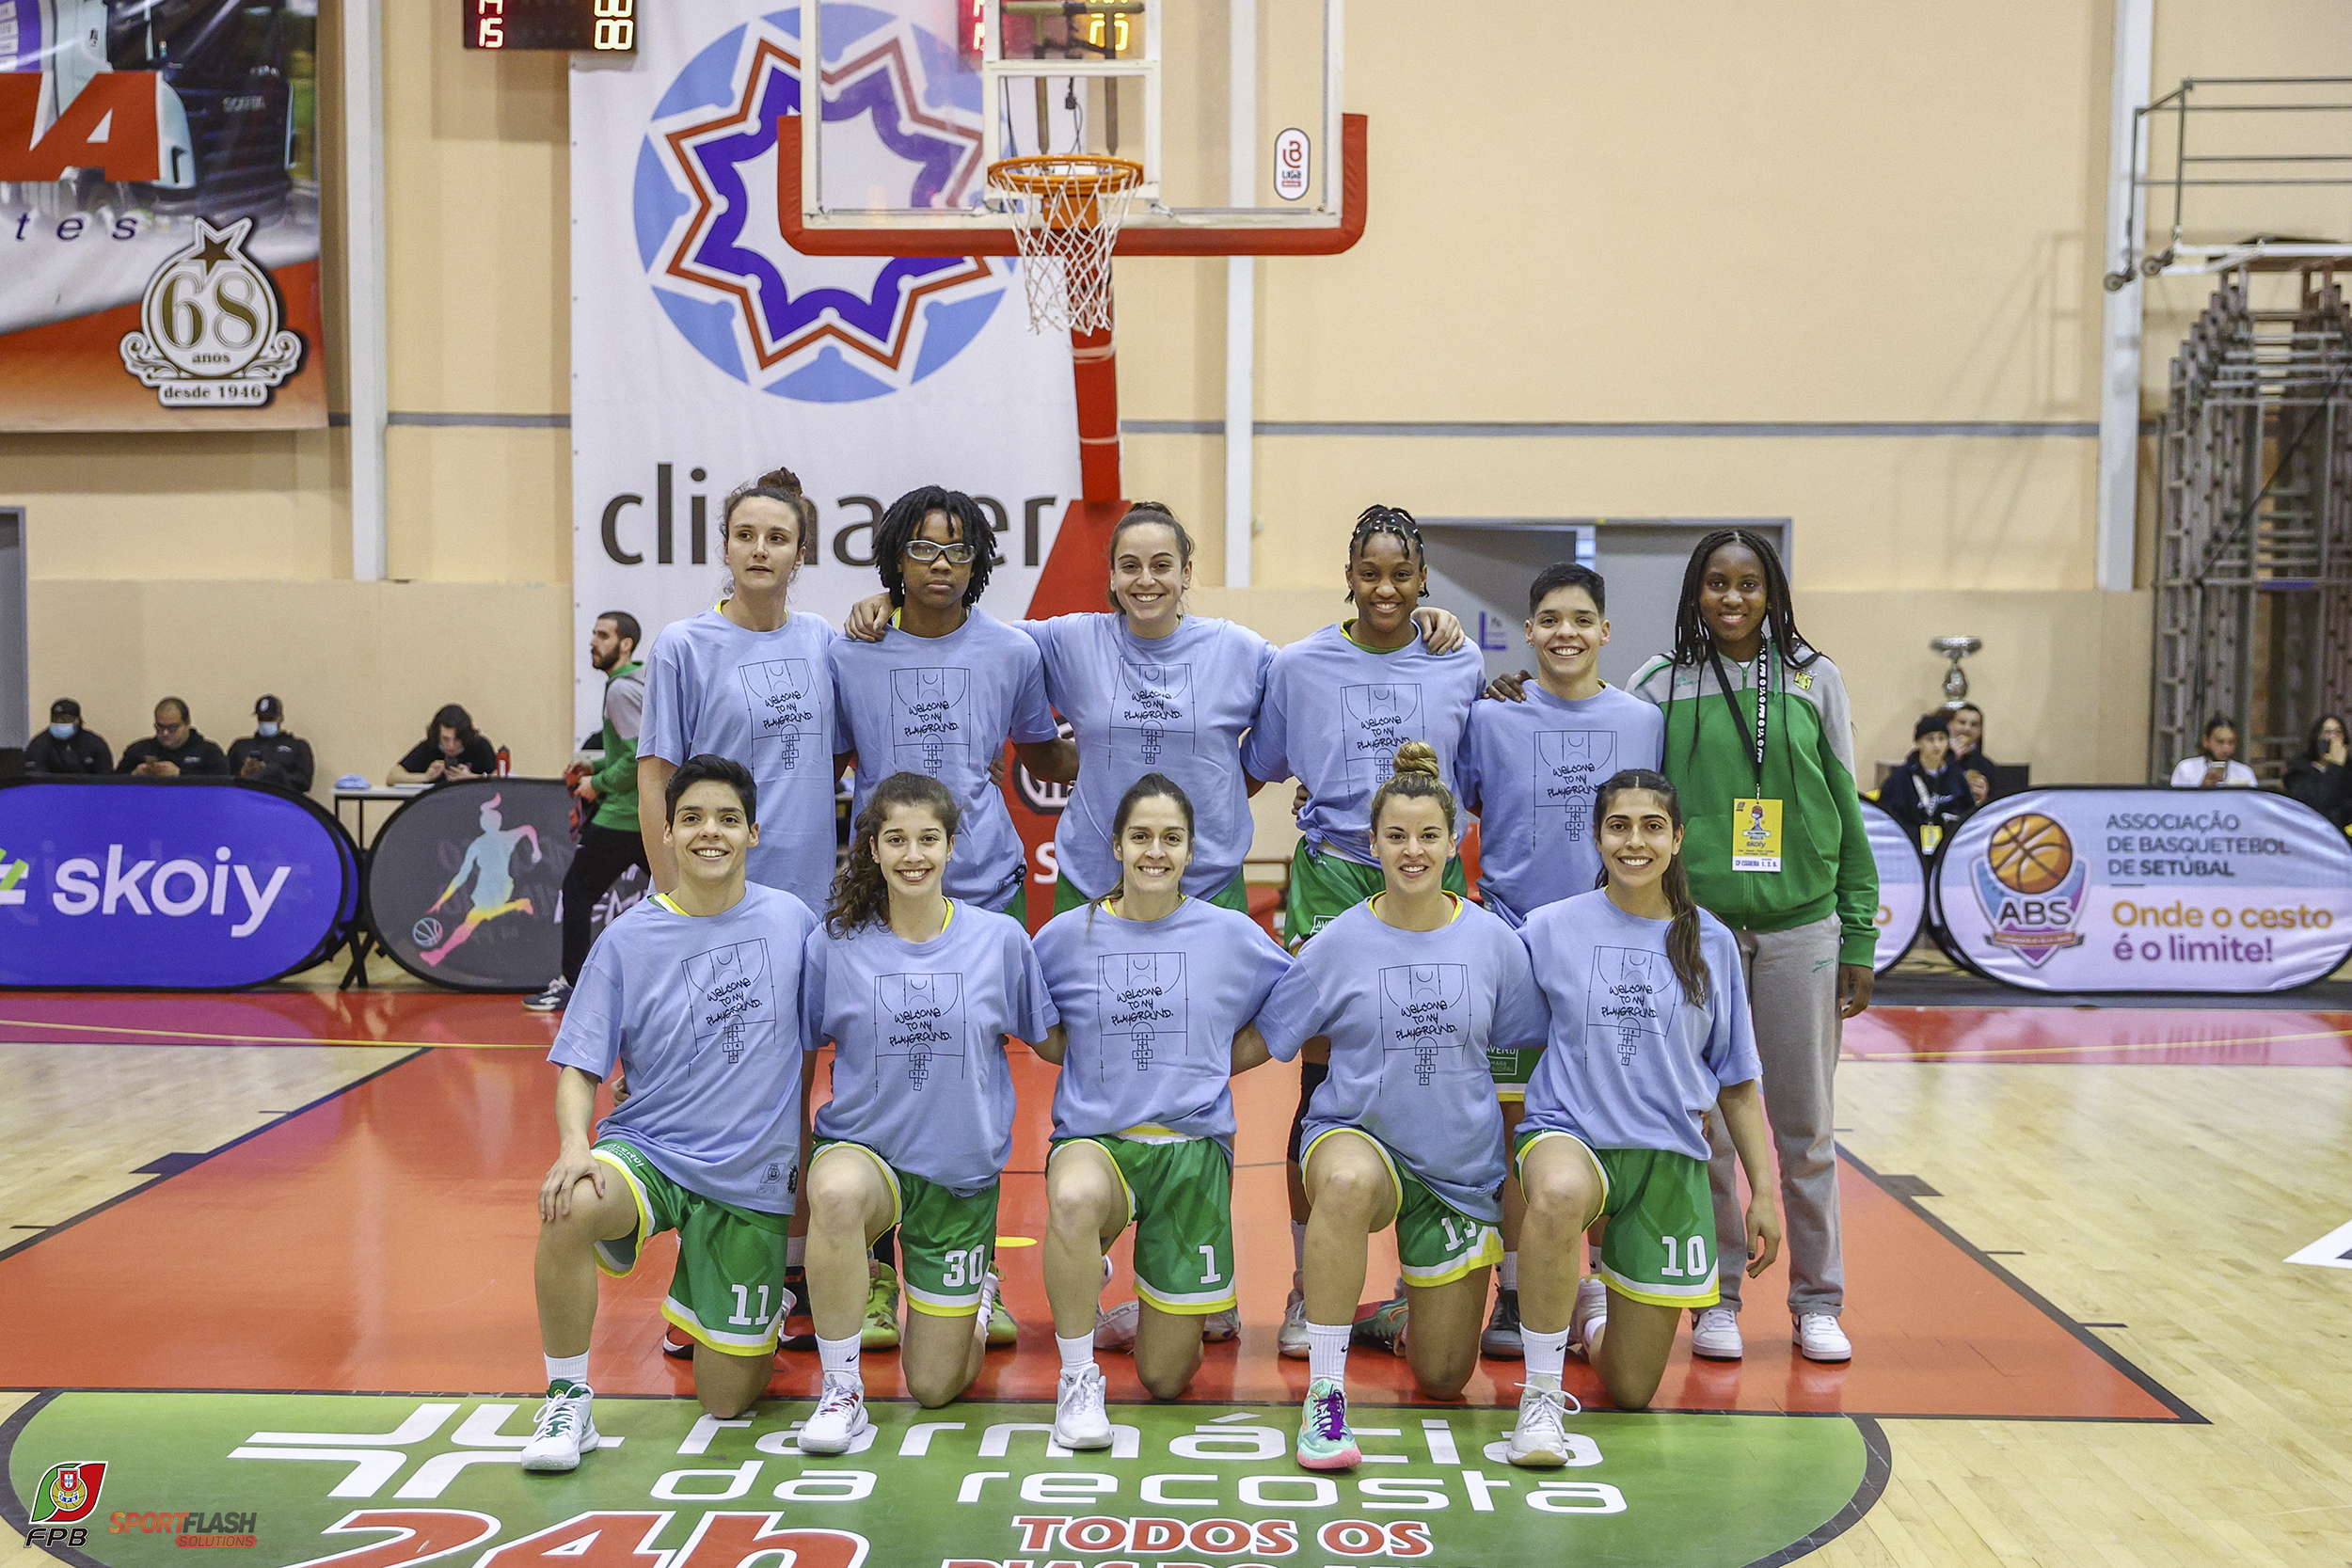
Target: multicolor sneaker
[565,1428]
[1080,1419]
[881,1308]
[1385,1327]
[1002,1330]
[840,1417]
[1292,1341]
[1540,1440]
[1221,1325]
[557,997]
[802,1338]
[1502,1339]
[1324,1441]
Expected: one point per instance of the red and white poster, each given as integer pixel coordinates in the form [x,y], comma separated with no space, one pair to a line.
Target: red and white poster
[159,216]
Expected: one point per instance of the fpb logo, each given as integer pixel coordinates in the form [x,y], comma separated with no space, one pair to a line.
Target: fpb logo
[69,1493]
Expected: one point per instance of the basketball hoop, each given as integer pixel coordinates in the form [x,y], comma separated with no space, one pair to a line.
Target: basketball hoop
[1066,213]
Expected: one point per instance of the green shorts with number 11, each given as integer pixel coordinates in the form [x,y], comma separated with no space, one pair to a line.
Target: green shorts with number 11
[1661,1242]
[1180,1200]
[727,1290]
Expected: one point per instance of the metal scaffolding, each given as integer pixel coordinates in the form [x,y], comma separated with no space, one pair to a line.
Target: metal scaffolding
[2253,575]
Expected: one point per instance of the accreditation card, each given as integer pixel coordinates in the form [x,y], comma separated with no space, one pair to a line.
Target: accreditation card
[1756,835]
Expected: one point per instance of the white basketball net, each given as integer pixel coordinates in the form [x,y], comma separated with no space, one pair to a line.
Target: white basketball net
[1066,214]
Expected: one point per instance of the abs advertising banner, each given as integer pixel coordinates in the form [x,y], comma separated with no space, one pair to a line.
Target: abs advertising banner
[465,884]
[1903,886]
[159,216]
[166,883]
[706,352]
[2092,887]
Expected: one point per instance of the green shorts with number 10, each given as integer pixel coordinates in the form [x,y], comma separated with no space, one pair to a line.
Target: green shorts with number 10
[946,1243]
[1325,885]
[1180,1200]
[1661,1242]
[727,1290]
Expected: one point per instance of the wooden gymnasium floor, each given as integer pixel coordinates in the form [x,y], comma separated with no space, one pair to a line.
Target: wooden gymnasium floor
[2065,1241]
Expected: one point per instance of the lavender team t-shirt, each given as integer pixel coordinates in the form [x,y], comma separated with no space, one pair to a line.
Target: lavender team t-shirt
[1179,706]
[1150,1008]
[1530,769]
[763,699]
[1412,1017]
[705,1014]
[1334,715]
[944,706]
[1632,1062]
[919,1074]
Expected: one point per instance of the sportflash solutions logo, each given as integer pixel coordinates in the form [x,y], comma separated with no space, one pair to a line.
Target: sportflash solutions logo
[2031,884]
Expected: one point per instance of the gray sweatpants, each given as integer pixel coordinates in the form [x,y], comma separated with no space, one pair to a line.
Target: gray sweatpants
[1792,992]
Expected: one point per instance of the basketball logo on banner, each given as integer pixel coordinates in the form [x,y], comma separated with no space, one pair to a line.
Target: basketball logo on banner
[2030,886]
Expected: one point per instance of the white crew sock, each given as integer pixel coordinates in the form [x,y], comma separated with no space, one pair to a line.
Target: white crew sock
[1326,1351]
[838,1358]
[1076,1352]
[1298,1246]
[1511,1270]
[569,1369]
[795,1252]
[1546,1353]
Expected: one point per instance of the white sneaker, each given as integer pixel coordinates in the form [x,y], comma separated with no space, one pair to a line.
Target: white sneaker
[840,1417]
[1540,1440]
[565,1428]
[1292,1341]
[1218,1327]
[1715,1337]
[1591,1308]
[1819,1338]
[1115,1329]
[988,1310]
[1080,1419]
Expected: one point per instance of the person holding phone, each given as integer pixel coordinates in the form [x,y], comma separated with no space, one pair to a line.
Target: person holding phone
[2215,765]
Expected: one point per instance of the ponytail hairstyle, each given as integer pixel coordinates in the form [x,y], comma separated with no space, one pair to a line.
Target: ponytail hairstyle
[776,484]
[1695,644]
[1682,937]
[859,897]
[1138,514]
[1152,786]
[1393,520]
[1415,776]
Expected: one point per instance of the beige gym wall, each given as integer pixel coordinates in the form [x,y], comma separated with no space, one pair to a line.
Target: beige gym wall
[1810,215]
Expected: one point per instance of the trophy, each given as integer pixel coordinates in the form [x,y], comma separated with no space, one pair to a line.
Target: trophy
[1955,683]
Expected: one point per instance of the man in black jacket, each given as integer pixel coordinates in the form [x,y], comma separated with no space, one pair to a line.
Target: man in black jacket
[272,754]
[176,749]
[65,746]
[1928,794]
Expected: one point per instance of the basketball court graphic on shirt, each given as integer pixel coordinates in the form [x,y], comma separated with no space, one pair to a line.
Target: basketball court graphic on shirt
[735,998]
[1426,1022]
[783,706]
[1569,765]
[1154,713]
[919,1019]
[1377,719]
[930,719]
[1621,1008]
[1144,1010]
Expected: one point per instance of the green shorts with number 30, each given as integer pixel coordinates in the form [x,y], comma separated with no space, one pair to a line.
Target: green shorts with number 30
[1661,1242]
[727,1290]
[1180,1200]
[1436,1242]
[946,1242]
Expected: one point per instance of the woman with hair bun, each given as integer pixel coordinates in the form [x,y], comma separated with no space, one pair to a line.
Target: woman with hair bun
[1412,987]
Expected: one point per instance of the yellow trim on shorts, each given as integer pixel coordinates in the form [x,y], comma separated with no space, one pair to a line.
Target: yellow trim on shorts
[1488,1253]
[645,1220]
[1184,1306]
[916,1304]
[890,1178]
[1511,1092]
[745,1346]
[1124,1189]
[1518,1162]
[1694,1296]
[1378,1148]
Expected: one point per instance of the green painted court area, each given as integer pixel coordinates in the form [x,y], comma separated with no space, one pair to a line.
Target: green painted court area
[385,1481]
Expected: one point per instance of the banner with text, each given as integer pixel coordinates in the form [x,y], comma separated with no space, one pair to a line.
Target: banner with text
[704,351]
[159,216]
[2092,887]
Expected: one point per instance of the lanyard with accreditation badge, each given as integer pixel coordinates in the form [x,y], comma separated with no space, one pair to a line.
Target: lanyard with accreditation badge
[1755,821]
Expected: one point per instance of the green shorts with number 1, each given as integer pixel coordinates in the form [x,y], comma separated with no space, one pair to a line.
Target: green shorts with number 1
[1661,1242]
[727,1290]
[1325,886]
[1180,1200]
[946,1242]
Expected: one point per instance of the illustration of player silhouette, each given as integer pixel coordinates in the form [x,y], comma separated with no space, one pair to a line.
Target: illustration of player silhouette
[488,860]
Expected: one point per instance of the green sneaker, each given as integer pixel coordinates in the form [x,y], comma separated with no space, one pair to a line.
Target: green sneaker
[1385,1327]
[881,1308]
[1002,1330]
[1324,1441]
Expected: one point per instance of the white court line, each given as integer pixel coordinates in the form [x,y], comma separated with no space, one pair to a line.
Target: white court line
[2331,1251]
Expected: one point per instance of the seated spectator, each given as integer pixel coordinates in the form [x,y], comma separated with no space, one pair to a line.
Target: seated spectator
[2215,765]
[1928,794]
[175,749]
[65,746]
[452,748]
[272,754]
[1967,722]
[2317,778]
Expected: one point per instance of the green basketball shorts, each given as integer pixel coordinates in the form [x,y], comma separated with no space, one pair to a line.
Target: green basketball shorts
[727,1290]
[1436,1242]
[1233,896]
[1660,1244]
[946,1242]
[1325,885]
[1180,1200]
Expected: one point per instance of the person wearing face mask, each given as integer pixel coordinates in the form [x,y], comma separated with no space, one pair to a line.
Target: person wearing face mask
[175,749]
[65,746]
[272,754]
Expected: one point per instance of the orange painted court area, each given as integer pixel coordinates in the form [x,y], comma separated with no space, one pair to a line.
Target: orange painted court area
[382,1239]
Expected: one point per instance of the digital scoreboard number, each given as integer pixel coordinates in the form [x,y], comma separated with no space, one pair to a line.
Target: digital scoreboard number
[603,26]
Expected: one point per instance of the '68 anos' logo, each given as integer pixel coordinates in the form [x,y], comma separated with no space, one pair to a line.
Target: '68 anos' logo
[211,327]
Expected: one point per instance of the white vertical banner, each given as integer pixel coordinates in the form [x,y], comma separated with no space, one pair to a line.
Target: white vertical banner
[706,351]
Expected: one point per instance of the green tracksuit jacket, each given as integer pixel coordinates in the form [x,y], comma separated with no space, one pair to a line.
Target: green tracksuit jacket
[616,777]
